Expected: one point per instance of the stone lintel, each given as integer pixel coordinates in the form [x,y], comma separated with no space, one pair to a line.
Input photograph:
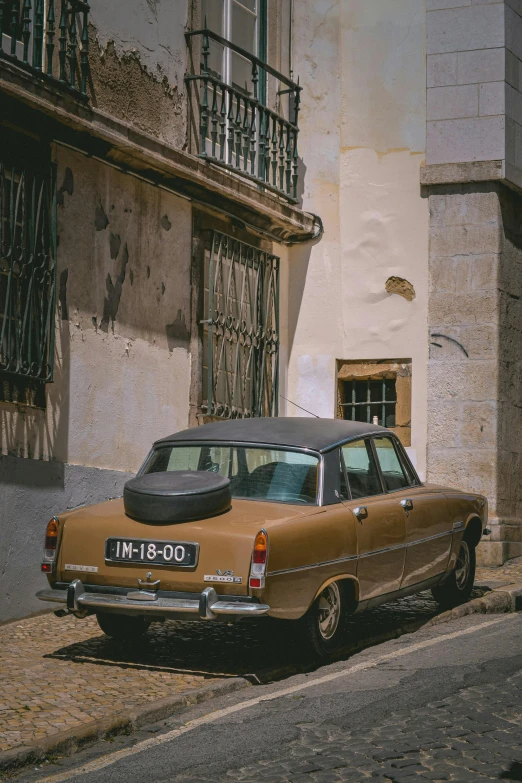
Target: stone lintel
[459,173]
[467,173]
[72,121]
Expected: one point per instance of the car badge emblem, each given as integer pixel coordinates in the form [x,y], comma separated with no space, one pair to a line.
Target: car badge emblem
[223,576]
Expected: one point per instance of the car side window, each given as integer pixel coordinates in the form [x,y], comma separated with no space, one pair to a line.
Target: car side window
[361,469]
[393,473]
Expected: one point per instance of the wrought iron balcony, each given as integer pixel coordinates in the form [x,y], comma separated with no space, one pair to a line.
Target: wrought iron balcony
[49,38]
[236,127]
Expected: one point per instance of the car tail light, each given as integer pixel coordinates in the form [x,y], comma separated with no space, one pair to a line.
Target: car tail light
[259,560]
[51,540]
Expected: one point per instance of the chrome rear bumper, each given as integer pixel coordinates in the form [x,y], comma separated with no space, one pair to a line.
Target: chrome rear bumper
[205,606]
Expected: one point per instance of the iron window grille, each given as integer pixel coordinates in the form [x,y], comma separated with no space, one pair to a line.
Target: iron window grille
[49,38]
[237,129]
[241,332]
[27,271]
[367,399]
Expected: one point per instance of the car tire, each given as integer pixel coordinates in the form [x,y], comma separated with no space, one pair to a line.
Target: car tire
[457,588]
[324,624]
[122,626]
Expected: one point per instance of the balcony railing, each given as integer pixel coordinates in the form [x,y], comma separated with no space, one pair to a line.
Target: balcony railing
[49,38]
[236,127]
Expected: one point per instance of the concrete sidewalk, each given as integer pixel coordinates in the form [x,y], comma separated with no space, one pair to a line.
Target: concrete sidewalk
[64,682]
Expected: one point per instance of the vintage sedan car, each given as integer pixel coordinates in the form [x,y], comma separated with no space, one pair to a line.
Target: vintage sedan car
[298,519]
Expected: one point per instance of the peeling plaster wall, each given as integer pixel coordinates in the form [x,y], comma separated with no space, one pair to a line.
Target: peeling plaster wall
[122,362]
[122,367]
[362,142]
[138,62]
[154,29]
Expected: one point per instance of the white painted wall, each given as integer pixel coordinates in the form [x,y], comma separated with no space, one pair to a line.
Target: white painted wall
[362,141]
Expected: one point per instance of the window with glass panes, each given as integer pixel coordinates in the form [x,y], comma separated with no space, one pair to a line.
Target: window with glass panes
[244,24]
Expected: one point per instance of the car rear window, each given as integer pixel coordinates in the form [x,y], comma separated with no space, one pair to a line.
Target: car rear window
[277,475]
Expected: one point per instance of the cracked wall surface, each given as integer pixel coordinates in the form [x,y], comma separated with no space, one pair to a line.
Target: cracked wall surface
[363,64]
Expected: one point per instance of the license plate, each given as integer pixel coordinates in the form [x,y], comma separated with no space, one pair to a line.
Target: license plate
[171,553]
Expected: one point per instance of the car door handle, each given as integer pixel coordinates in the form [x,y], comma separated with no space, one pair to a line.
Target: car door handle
[407,504]
[361,512]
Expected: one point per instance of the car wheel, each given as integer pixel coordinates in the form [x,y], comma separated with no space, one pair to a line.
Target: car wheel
[325,621]
[457,589]
[121,626]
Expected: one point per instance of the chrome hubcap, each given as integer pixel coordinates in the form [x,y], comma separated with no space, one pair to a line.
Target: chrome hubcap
[329,611]
[462,567]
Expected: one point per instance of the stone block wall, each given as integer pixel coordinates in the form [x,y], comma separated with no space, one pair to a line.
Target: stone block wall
[474,83]
[475,367]
[514,91]
[466,81]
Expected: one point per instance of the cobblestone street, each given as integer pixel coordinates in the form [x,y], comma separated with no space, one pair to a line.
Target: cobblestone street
[62,673]
[475,735]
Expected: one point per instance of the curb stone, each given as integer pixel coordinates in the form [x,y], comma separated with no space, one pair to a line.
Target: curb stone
[69,741]
[500,601]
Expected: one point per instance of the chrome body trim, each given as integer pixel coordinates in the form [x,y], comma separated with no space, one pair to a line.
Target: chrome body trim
[405,545]
[314,565]
[383,550]
[320,483]
[77,600]
[429,538]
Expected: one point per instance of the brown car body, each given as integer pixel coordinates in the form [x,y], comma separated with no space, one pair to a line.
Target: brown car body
[403,541]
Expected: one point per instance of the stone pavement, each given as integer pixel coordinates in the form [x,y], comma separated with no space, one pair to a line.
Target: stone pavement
[58,674]
[474,735]
[499,576]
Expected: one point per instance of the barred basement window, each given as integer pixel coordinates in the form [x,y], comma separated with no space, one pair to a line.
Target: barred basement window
[241,330]
[376,391]
[27,272]
[370,401]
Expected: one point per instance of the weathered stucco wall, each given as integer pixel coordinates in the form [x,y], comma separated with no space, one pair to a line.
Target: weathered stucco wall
[122,369]
[138,62]
[362,142]
[122,362]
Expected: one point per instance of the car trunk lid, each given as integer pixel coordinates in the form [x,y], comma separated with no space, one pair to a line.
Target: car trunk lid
[224,542]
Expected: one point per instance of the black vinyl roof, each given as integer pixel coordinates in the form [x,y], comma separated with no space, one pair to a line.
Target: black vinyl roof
[300,432]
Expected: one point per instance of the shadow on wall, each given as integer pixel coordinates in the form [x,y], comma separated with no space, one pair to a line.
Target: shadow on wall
[509,426]
[298,259]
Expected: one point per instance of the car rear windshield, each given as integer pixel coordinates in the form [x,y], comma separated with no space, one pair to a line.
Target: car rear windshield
[255,473]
